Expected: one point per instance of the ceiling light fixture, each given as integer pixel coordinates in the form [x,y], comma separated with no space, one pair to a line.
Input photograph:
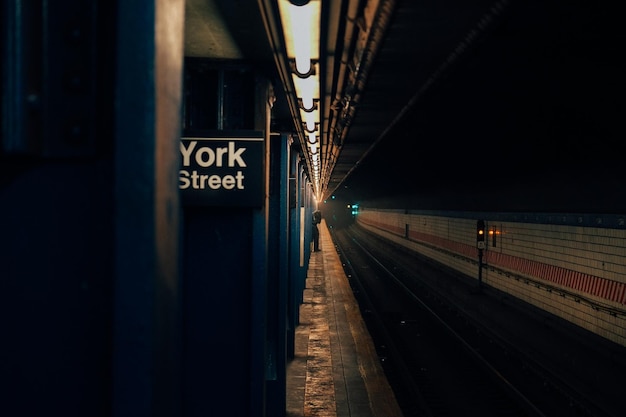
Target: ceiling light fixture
[301,29]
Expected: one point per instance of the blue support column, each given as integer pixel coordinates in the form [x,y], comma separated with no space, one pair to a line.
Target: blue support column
[147,328]
[218,283]
[295,266]
[303,239]
[258,323]
[301,208]
[309,206]
[226,271]
[278,267]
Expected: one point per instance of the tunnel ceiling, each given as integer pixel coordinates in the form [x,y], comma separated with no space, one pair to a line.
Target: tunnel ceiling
[479,105]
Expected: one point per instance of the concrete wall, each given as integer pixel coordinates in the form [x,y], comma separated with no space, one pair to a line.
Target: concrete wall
[573,266]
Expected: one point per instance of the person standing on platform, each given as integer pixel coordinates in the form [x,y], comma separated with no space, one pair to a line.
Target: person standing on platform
[317,219]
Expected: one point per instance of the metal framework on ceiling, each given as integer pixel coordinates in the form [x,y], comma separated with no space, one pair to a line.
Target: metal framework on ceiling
[351,33]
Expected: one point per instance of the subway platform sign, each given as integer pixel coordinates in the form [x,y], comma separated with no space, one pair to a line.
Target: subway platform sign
[222,171]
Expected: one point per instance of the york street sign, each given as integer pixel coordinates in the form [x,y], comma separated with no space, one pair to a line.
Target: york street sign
[222,171]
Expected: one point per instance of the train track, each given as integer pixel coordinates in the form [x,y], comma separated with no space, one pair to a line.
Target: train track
[440,361]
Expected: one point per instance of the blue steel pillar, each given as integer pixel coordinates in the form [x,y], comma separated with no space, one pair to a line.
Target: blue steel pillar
[278,269]
[305,236]
[308,217]
[229,354]
[297,270]
[147,329]
[217,282]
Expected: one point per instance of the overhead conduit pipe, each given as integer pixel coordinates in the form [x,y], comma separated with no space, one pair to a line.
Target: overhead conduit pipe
[346,51]
[360,54]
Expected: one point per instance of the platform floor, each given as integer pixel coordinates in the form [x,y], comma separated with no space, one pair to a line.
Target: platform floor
[335,371]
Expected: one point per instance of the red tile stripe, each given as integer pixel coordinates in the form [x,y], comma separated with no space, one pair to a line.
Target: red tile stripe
[585,283]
